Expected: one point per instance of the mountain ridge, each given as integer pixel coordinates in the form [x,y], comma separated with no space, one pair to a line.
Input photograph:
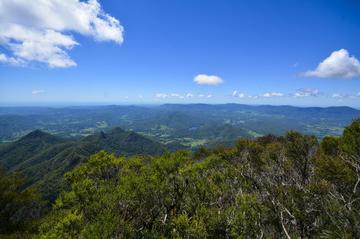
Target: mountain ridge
[44,158]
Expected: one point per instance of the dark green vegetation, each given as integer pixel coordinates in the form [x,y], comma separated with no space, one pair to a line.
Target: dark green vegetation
[191,125]
[44,158]
[270,187]
[19,209]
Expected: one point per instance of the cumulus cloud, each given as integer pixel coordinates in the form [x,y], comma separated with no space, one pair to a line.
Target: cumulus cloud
[307,93]
[37,92]
[40,30]
[338,65]
[273,94]
[203,79]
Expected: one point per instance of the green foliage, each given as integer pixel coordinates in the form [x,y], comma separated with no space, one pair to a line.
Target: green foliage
[269,187]
[350,142]
[249,218]
[300,149]
[19,208]
[330,146]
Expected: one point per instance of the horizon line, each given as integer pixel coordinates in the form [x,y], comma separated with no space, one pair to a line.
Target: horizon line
[99,104]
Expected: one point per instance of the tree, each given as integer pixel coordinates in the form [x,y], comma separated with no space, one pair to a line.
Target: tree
[350,141]
[19,208]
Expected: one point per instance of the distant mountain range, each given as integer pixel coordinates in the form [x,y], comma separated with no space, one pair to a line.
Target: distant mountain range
[44,158]
[192,125]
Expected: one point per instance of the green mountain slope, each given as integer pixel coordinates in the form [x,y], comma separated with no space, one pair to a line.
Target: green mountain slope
[44,158]
[34,143]
[121,142]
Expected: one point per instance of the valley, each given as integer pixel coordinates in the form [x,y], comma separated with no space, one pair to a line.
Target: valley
[191,125]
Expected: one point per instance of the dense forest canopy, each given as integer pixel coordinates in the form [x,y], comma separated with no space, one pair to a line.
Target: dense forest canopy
[288,186]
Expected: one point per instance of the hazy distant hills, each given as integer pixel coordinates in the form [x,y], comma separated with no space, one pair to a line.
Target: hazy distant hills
[44,158]
[188,124]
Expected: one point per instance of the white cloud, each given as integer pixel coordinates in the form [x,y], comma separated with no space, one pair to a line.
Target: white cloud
[241,95]
[37,92]
[162,95]
[343,96]
[338,96]
[170,96]
[11,60]
[204,96]
[338,65]
[176,95]
[238,94]
[307,93]
[3,58]
[203,79]
[181,96]
[40,30]
[273,94]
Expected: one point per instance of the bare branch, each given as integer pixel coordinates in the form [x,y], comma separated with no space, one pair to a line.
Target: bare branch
[288,212]
[164,220]
[356,184]
[283,226]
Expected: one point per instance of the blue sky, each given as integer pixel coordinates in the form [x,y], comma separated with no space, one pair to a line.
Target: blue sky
[263,52]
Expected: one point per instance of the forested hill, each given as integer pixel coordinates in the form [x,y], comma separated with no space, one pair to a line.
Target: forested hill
[290,186]
[44,158]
